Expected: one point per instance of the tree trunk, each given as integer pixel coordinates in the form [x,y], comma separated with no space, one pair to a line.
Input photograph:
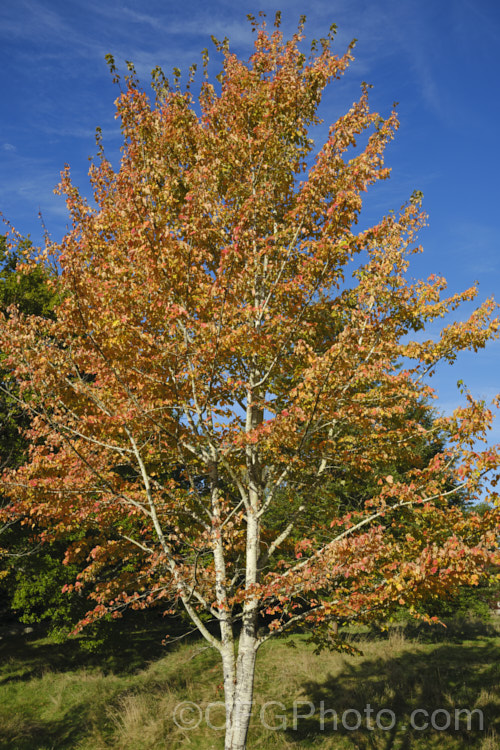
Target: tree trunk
[239,693]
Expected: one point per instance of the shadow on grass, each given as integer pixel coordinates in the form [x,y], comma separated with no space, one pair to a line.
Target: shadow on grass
[451,677]
[129,645]
[31,734]
[132,645]
[457,629]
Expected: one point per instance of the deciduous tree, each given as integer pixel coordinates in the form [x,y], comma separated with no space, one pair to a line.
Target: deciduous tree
[227,334]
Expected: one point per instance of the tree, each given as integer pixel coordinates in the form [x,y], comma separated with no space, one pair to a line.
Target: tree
[31,577]
[29,292]
[225,335]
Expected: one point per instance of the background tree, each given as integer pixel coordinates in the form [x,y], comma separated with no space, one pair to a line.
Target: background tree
[31,576]
[29,292]
[225,336]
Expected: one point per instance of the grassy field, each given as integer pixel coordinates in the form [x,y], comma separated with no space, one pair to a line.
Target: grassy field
[124,697]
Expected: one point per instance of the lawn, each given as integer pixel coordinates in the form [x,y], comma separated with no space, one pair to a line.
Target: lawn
[400,694]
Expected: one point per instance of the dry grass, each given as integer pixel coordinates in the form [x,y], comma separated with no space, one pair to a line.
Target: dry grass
[92,709]
[491,741]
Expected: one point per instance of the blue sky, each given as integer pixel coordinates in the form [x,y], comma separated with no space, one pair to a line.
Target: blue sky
[438,58]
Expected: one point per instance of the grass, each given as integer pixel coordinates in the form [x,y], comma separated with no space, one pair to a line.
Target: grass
[56,697]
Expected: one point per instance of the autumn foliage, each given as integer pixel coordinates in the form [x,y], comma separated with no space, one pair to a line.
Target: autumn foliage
[225,340]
